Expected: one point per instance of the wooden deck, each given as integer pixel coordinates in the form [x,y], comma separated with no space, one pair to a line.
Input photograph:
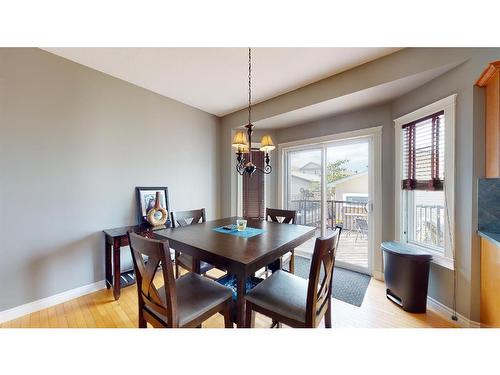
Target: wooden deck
[351,250]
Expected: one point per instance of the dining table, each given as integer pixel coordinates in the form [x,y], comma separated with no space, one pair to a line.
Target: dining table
[237,253]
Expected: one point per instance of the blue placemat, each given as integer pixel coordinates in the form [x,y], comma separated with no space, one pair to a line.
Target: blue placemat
[247,233]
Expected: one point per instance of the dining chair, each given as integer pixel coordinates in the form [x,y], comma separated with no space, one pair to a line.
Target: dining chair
[294,301]
[183,219]
[284,217]
[180,303]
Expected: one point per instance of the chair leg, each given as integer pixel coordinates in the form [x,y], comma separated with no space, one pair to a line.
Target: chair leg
[292,262]
[249,316]
[142,321]
[227,316]
[328,314]
[176,265]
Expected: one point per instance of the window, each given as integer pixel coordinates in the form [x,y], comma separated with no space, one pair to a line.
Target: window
[425,162]
[423,153]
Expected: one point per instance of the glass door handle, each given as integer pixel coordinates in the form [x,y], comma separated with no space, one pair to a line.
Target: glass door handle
[369,207]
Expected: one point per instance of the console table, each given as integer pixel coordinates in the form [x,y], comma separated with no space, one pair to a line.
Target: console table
[115,239]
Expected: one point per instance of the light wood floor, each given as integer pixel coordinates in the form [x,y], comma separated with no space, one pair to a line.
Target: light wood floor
[99,309]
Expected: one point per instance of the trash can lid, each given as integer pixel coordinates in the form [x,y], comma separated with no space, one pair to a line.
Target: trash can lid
[405,250]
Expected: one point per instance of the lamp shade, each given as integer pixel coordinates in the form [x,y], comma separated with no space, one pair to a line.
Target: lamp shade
[266,143]
[240,140]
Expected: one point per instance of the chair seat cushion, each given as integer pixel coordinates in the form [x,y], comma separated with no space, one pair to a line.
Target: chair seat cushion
[186,261]
[282,293]
[195,296]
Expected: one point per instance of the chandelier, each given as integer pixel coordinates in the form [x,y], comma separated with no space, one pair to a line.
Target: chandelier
[243,145]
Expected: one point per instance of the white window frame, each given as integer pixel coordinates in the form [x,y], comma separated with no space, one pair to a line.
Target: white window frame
[448,105]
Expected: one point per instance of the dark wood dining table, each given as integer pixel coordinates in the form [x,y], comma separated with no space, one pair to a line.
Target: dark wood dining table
[239,256]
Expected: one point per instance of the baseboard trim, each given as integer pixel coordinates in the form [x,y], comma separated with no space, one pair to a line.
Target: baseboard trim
[378,275]
[50,301]
[446,313]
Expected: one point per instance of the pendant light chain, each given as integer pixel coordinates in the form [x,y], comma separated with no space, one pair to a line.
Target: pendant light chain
[243,145]
[249,85]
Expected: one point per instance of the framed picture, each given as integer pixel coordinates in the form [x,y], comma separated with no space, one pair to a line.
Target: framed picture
[146,198]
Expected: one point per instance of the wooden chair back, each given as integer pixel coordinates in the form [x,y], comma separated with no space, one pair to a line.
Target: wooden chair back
[319,291]
[281,216]
[157,253]
[181,218]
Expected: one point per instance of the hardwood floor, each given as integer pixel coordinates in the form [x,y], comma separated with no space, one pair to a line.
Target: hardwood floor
[100,310]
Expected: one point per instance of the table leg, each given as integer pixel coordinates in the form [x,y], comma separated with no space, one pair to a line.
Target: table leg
[275,265]
[107,256]
[240,301]
[195,266]
[116,269]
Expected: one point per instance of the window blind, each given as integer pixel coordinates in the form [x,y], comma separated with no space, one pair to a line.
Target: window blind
[253,189]
[423,153]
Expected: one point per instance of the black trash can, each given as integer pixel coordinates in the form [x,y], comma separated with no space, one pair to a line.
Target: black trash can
[406,272]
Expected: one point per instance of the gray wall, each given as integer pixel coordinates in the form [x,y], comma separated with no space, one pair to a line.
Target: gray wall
[74,143]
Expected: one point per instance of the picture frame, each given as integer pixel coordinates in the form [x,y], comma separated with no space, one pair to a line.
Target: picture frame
[146,198]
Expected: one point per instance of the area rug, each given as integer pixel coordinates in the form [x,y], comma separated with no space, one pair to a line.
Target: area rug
[347,286]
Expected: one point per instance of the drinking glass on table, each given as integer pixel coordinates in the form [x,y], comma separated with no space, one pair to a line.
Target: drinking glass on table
[241,225]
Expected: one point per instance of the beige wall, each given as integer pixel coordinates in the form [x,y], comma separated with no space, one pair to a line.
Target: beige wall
[358,185]
[74,143]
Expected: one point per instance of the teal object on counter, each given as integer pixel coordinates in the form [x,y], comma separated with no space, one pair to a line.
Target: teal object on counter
[247,233]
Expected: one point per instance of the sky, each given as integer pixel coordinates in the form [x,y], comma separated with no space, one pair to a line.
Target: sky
[355,152]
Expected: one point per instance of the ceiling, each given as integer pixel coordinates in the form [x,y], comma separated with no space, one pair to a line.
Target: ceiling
[215,80]
[351,102]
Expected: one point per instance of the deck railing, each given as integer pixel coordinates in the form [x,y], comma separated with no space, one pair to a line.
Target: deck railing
[344,213]
[429,224]
[429,219]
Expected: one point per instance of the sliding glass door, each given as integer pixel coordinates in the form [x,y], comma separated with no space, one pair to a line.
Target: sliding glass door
[328,184]
[304,190]
[348,200]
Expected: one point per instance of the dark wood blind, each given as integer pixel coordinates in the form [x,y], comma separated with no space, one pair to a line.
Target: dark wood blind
[253,189]
[423,153]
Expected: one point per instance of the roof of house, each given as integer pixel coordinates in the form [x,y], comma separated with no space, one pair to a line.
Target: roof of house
[317,178]
[311,165]
[306,176]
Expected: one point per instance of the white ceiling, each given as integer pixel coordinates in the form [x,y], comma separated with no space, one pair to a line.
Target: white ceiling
[359,99]
[215,79]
